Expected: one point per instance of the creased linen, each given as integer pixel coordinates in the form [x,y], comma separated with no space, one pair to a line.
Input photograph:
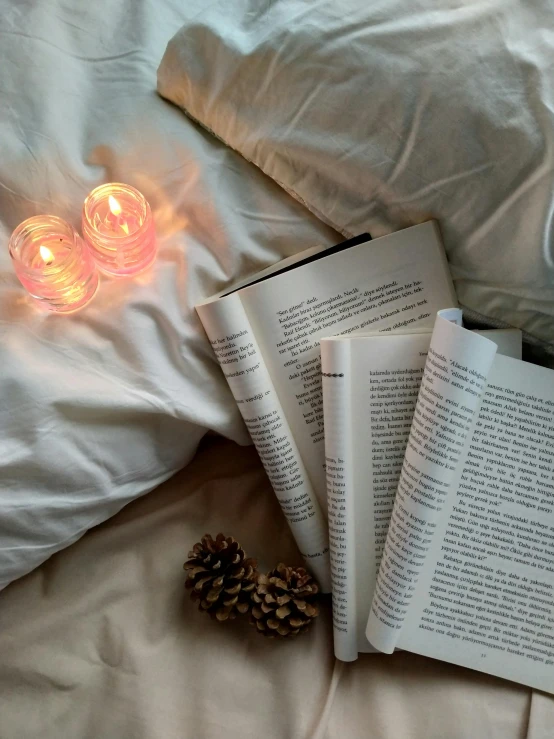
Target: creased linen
[100,407]
[103,641]
[384,114]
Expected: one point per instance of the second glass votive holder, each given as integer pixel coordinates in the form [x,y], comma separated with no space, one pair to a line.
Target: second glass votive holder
[119,230]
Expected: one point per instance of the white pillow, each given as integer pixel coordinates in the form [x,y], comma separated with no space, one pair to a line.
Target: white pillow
[98,408]
[383,114]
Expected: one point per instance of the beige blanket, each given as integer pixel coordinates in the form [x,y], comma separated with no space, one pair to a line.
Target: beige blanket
[102,643]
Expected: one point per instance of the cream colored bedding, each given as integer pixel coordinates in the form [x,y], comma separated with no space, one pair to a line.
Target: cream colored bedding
[102,643]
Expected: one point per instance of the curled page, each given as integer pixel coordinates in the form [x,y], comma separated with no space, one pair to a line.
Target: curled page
[455,374]
[237,350]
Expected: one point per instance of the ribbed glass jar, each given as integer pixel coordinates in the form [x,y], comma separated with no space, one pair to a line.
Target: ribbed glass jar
[53,264]
[119,230]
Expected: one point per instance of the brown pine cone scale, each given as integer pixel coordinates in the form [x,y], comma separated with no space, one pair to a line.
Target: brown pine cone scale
[284,602]
[220,576]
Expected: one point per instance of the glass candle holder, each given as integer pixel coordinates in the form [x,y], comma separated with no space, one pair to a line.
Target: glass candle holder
[119,229]
[53,264]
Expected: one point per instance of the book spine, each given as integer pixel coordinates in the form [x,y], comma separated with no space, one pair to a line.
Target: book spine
[335,366]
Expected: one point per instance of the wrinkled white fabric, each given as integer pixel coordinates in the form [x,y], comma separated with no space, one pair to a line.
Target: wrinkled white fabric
[98,408]
[383,114]
[103,642]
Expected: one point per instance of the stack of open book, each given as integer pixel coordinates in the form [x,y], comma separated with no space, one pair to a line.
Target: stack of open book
[427,505]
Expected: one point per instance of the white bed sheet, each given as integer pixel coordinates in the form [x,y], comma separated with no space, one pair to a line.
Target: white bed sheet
[103,642]
[100,407]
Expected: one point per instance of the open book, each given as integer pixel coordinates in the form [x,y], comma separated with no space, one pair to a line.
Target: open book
[467,571]
[265,333]
[370,388]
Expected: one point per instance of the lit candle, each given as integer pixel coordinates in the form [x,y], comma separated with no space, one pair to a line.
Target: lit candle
[53,264]
[119,229]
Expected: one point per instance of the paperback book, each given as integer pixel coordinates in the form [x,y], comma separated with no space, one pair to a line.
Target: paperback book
[265,333]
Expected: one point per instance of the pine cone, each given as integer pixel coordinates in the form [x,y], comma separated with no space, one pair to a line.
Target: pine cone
[220,576]
[284,601]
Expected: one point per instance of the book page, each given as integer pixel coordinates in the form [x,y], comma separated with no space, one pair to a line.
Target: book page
[386,376]
[370,388]
[239,355]
[394,282]
[486,597]
[369,403]
[456,369]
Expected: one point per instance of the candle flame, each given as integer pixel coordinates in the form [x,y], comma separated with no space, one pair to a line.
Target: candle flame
[115,207]
[46,254]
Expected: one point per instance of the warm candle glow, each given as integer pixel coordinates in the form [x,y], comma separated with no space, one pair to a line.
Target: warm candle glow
[115,207]
[53,264]
[119,229]
[46,254]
